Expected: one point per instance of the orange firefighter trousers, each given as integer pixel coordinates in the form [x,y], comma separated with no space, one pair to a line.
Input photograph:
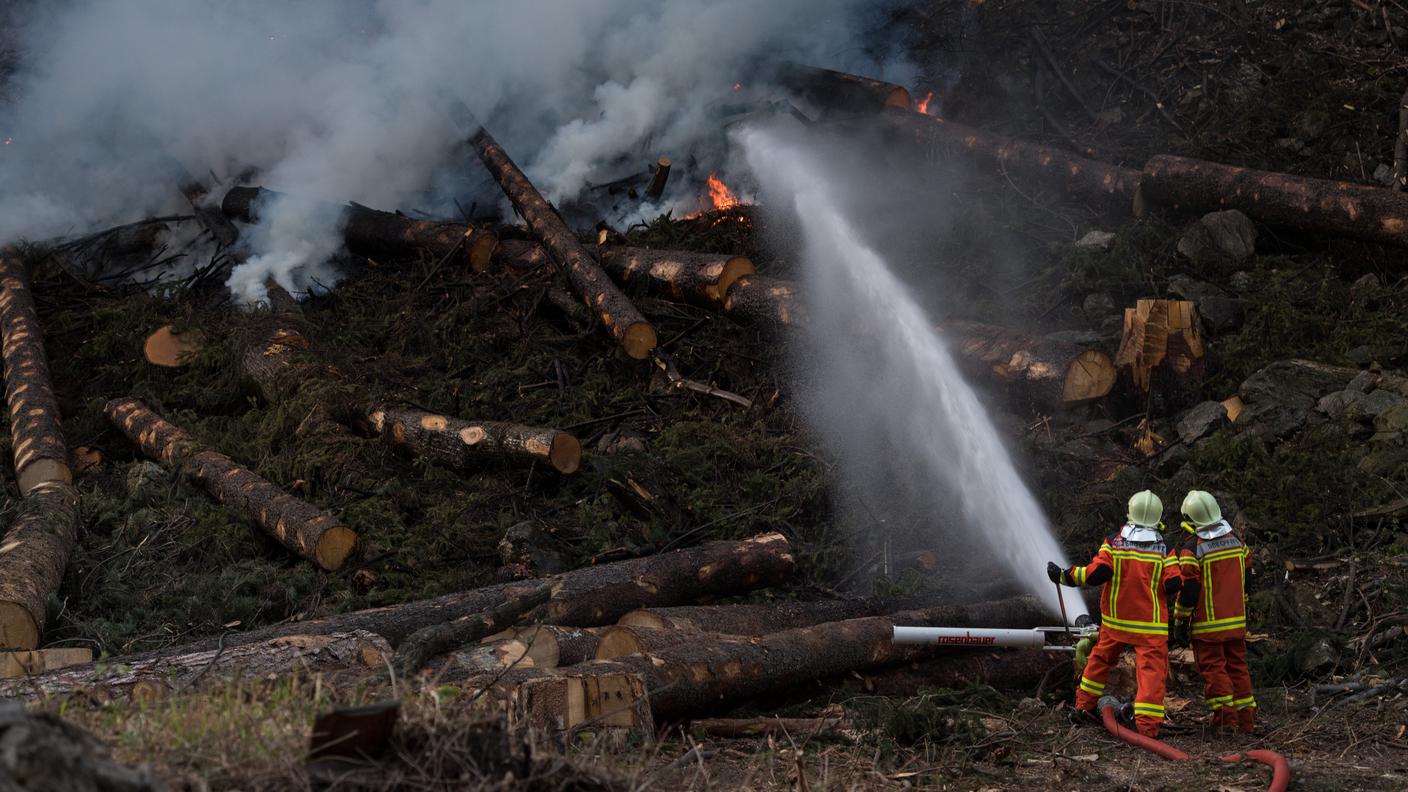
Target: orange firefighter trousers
[1227,682]
[1151,666]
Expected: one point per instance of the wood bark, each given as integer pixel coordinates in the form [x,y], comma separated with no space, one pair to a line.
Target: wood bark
[581,598]
[749,619]
[1161,345]
[1320,205]
[1110,187]
[610,306]
[1051,374]
[40,453]
[658,179]
[839,93]
[701,279]
[714,672]
[437,639]
[770,304]
[141,679]
[34,553]
[619,641]
[298,525]
[371,232]
[461,444]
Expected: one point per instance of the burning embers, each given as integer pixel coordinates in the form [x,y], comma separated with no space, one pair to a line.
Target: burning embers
[718,195]
[922,106]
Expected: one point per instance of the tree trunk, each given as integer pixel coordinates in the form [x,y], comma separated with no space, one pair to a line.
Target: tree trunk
[33,556]
[620,641]
[370,232]
[462,444]
[437,639]
[1110,187]
[298,525]
[1161,345]
[1321,205]
[142,679]
[770,304]
[697,278]
[838,93]
[750,619]
[612,308]
[1051,374]
[40,453]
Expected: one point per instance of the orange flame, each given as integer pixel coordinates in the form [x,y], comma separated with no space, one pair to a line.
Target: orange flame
[719,193]
[922,106]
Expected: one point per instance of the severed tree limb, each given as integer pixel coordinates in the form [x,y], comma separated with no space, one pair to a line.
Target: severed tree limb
[439,639]
[33,556]
[40,453]
[666,364]
[834,93]
[298,525]
[458,443]
[611,307]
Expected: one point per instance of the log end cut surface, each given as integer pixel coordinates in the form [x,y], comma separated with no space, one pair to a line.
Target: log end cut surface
[43,471]
[1091,376]
[17,627]
[639,340]
[334,546]
[169,349]
[735,268]
[481,250]
[565,454]
[899,97]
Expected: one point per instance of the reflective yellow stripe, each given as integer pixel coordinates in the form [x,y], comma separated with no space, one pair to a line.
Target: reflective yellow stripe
[1154,710]
[1080,576]
[1243,703]
[1091,687]
[1219,701]
[1202,628]
[1138,555]
[1115,589]
[1224,554]
[1143,628]
[1181,611]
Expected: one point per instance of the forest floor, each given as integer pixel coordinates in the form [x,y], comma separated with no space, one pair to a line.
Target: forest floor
[1309,88]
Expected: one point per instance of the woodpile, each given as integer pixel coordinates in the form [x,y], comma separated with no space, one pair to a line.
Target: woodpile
[34,552]
[303,528]
[612,309]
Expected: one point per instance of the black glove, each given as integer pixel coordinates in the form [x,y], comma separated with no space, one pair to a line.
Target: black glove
[1182,632]
[1054,572]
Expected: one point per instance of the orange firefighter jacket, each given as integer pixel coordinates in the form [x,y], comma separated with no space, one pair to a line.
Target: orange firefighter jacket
[1216,569]
[1133,605]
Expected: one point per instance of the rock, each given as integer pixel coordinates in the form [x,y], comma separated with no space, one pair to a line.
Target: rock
[622,444]
[1219,311]
[1173,459]
[1200,420]
[1099,306]
[1280,397]
[146,481]
[1379,402]
[1364,290]
[1079,337]
[1365,381]
[1383,174]
[1360,355]
[1319,657]
[527,544]
[1096,240]
[1394,419]
[1219,236]
[1341,403]
[1384,460]
[43,752]
[1393,383]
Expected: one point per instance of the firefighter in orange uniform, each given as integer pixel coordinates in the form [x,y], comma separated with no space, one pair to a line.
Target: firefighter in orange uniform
[1139,575]
[1212,611]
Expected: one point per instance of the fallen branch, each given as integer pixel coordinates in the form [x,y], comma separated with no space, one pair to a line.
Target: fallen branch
[438,639]
[298,525]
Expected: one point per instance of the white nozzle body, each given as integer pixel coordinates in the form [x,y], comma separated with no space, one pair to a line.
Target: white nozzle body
[964,636]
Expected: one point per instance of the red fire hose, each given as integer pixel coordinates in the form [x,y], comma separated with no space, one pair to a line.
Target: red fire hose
[1108,706]
[1280,768]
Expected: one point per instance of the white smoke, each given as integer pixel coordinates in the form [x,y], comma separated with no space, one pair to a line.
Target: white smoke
[340,100]
[881,389]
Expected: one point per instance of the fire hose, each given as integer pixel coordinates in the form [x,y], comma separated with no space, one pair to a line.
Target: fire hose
[1108,706]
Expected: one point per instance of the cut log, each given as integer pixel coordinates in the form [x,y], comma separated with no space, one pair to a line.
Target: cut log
[750,619]
[658,180]
[437,639]
[1320,205]
[770,304]
[169,349]
[296,524]
[197,669]
[504,653]
[40,453]
[459,444]
[550,646]
[714,672]
[838,93]
[1107,186]
[698,278]
[582,598]
[620,641]
[1051,374]
[371,232]
[33,556]
[39,661]
[570,701]
[1161,341]
[611,307]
